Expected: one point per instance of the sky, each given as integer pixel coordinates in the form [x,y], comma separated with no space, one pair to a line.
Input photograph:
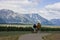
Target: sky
[49,9]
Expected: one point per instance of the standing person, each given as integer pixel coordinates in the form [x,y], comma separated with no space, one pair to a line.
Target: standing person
[38,26]
[34,28]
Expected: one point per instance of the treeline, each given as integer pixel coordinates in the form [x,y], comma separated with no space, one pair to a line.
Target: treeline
[16,29]
[27,29]
[50,29]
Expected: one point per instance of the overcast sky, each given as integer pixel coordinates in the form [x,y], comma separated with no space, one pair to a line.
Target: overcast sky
[49,9]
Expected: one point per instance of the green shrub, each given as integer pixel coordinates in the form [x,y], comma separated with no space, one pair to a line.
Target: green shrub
[15,28]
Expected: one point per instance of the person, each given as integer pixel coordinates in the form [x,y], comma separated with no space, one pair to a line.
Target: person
[38,26]
[34,28]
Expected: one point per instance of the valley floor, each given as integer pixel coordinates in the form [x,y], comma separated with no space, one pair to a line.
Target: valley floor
[33,36]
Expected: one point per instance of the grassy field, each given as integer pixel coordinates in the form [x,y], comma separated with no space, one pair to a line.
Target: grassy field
[12,32]
[11,35]
[16,25]
[15,37]
[55,36]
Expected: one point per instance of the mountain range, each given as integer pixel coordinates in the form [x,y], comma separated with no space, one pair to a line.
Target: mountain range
[9,16]
[56,22]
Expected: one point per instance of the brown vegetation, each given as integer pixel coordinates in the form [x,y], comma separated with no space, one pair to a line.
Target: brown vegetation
[10,37]
[52,37]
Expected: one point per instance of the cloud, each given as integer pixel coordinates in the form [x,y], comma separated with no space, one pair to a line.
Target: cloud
[51,11]
[20,6]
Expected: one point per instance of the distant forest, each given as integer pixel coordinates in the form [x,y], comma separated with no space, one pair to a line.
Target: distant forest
[26,29]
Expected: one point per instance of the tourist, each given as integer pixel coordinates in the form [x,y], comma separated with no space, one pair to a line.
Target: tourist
[34,28]
[38,26]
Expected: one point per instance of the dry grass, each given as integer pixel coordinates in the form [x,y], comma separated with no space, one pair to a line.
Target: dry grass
[12,35]
[52,37]
[15,37]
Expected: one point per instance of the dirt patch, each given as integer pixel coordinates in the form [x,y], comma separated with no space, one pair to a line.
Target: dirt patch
[10,37]
[52,37]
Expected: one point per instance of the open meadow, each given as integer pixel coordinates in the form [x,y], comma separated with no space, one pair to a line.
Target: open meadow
[54,36]
[14,31]
[12,35]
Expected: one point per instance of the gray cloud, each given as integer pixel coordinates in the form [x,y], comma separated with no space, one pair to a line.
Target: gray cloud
[51,11]
[20,6]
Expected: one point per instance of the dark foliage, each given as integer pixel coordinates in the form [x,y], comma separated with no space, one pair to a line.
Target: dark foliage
[26,29]
[50,29]
[15,28]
